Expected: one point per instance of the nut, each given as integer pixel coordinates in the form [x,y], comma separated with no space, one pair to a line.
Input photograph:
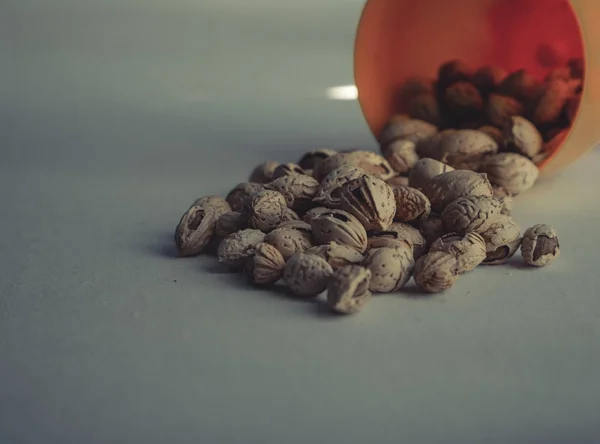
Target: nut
[371,163]
[552,102]
[296,225]
[306,274]
[266,210]
[463,99]
[411,205]
[470,213]
[331,187]
[263,173]
[298,190]
[431,147]
[501,108]
[447,187]
[413,86]
[265,266]
[453,71]
[411,235]
[432,228]
[290,215]
[314,212]
[370,200]
[195,230]
[237,247]
[348,289]
[407,129]
[337,255]
[521,85]
[436,272]
[468,249]
[465,149]
[513,172]
[239,195]
[230,223]
[540,245]
[502,239]
[398,181]
[425,107]
[290,240]
[311,159]
[386,239]
[401,155]
[285,169]
[523,136]
[213,203]
[494,133]
[340,227]
[488,77]
[425,170]
[391,268]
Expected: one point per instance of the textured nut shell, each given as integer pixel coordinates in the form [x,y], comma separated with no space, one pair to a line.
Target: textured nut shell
[237,247]
[285,169]
[298,190]
[432,228]
[413,86]
[239,195]
[540,245]
[195,230]
[407,129]
[398,181]
[340,227]
[464,149]
[401,155]
[290,216]
[370,200]
[411,205]
[265,266]
[213,203]
[314,212]
[494,133]
[296,225]
[266,210]
[502,239]
[263,173]
[511,171]
[412,236]
[524,137]
[230,223]
[453,71]
[470,213]
[447,187]
[501,108]
[311,159]
[348,289]
[386,239]
[520,85]
[468,249]
[488,77]
[289,241]
[432,146]
[463,98]
[425,170]
[371,163]
[391,268]
[436,272]
[306,274]
[551,103]
[425,107]
[331,187]
[337,255]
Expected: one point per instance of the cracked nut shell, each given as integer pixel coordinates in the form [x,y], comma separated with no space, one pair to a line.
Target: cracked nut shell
[468,249]
[290,241]
[447,187]
[340,227]
[436,272]
[540,245]
[370,200]
[337,255]
[265,266]
[391,268]
[306,274]
[237,247]
[266,210]
[348,289]
[511,171]
[412,206]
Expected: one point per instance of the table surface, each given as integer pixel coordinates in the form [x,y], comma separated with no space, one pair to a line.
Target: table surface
[114,116]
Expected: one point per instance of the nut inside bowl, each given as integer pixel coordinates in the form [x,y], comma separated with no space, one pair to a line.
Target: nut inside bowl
[400,40]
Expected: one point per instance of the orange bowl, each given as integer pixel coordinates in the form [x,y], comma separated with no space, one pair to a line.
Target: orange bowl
[398,39]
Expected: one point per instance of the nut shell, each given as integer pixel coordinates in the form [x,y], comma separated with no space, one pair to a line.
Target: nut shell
[502,239]
[265,266]
[266,210]
[298,190]
[447,187]
[195,230]
[426,169]
[285,169]
[468,249]
[500,109]
[370,200]
[306,274]
[465,149]
[401,155]
[331,187]
[241,193]
[470,213]
[263,173]
[406,129]
[311,159]
[337,255]
[523,136]
[436,272]
[371,163]
[289,241]
[411,205]
[348,289]
[511,171]
[340,227]
[391,268]
[230,223]
[238,247]
[540,245]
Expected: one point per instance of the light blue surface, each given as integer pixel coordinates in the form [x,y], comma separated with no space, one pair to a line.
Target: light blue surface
[114,116]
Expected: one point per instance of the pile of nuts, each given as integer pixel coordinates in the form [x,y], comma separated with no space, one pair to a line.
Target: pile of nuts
[433,206]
